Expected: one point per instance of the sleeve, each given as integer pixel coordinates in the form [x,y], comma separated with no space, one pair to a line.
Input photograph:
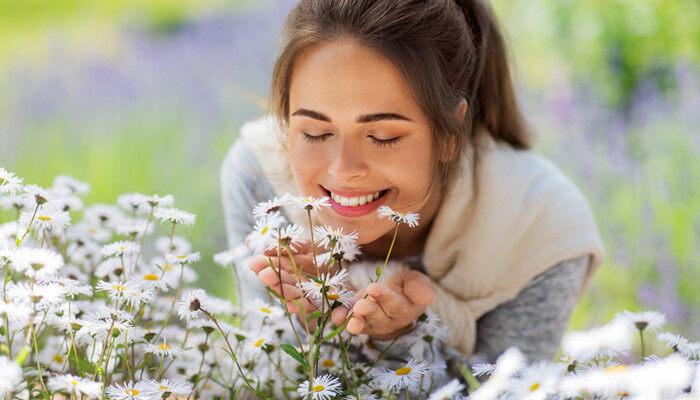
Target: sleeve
[535,320]
[241,189]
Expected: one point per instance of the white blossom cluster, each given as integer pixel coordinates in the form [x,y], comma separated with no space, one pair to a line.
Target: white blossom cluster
[103,307]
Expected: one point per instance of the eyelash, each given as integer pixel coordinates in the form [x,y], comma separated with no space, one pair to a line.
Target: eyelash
[378,142]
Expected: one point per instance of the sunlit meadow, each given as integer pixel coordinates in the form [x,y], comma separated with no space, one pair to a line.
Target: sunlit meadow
[147,96]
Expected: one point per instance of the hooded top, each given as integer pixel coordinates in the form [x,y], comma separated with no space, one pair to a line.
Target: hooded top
[482,250]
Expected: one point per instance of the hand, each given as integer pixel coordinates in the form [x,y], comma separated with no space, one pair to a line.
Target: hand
[390,308]
[295,300]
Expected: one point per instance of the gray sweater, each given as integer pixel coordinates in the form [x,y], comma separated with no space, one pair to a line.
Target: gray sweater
[534,321]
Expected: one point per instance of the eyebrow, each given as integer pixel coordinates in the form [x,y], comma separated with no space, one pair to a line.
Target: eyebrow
[362,119]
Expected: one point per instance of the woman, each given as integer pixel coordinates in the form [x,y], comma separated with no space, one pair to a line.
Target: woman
[411,103]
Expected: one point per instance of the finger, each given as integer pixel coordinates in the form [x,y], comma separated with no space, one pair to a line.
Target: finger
[339,314]
[290,292]
[296,248]
[391,302]
[269,277]
[301,305]
[304,264]
[419,291]
[355,325]
[371,312]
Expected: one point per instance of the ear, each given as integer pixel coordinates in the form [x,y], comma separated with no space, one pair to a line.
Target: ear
[462,108]
[450,148]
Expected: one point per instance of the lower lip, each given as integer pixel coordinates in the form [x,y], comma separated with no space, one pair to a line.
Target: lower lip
[356,211]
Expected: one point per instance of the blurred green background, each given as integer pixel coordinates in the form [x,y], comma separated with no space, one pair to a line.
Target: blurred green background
[147,96]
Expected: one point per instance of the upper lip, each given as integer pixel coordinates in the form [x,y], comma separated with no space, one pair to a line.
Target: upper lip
[351,193]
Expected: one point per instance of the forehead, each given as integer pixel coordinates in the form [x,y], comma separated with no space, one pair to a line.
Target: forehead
[346,78]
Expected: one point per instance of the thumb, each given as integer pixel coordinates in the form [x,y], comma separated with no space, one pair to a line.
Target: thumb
[339,314]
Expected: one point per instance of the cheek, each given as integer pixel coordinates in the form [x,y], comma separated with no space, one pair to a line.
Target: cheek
[305,165]
[408,170]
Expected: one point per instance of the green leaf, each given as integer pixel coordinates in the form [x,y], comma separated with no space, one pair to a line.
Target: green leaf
[294,353]
[334,333]
[78,362]
[315,314]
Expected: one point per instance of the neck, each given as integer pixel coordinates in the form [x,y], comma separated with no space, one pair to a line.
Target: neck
[409,241]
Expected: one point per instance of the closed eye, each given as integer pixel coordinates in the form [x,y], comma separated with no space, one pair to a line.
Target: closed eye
[379,142]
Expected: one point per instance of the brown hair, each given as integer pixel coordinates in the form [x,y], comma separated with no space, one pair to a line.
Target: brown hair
[447,50]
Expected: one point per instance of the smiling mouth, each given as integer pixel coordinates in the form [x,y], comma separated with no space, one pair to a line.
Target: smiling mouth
[357,201]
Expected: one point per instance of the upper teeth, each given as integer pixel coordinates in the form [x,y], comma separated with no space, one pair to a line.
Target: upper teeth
[355,201]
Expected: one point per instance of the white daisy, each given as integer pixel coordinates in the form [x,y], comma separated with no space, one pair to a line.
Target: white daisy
[258,239]
[448,391]
[179,245]
[323,387]
[9,182]
[261,309]
[270,206]
[16,202]
[174,216]
[649,320]
[38,195]
[159,389]
[136,203]
[45,295]
[482,369]
[310,203]
[10,375]
[75,385]
[347,253]
[133,227]
[155,279]
[119,248]
[163,350]
[127,391]
[191,303]
[228,257]
[71,287]
[64,184]
[160,201]
[34,261]
[45,219]
[326,235]
[537,381]
[68,203]
[129,291]
[183,258]
[410,219]
[608,340]
[507,365]
[103,214]
[292,236]
[406,377]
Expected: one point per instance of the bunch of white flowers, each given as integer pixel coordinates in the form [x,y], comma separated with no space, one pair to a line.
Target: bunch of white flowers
[99,308]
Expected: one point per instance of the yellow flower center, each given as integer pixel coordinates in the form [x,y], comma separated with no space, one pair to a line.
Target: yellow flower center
[318,388]
[333,296]
[119,288]
[122,248]
[44,217]
[328,363]
[133,392]
[404,371]
[265,229]
[58,358]
[182,257]
[151,277]
[259,342]
[265,310]
[164,346]
[163,388]
[616,368]
[534,386]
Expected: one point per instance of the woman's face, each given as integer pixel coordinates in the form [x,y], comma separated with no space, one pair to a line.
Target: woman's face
[355,130]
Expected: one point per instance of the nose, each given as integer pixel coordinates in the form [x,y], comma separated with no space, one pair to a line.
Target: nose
[348,162]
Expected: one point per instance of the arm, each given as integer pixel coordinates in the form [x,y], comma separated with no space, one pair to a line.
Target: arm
[536,319]
[241,189]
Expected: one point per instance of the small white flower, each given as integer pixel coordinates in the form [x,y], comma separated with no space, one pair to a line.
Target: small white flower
[483,369]
[183,258]
[191,303]
[46,219]
[260,237]
[67,203]
[9,182]
[36,261]
[310,203]
[135,203]
[156,389]
[119,248]
[163,350]
[160,201]
[103,214]
[608,340]
[133,227]
[406,377]
[75,385]
[270,206]
[44,295]
[127,391]
[323,387]
[507,365]
[17,202]
[10,375]
[37,195]
[228,257]
[645,320]
[71,287]
[179,245]
[155,279]
[129,291]
[325,235]
[292,236]
[174,216]
[537,381]
[261,309]
[410,219]
[64,184]
[448,391]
